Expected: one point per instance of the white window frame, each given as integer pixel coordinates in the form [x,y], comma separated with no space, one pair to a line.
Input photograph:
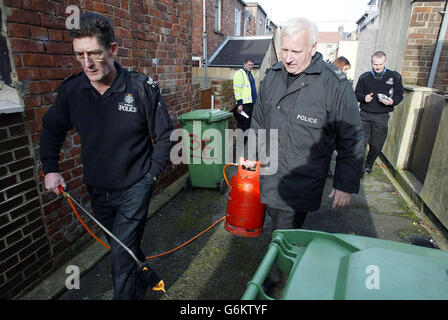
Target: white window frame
[237,26]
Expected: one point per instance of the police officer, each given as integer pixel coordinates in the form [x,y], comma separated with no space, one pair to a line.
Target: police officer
[117,113]
[245,91]
[310,103]
[378,91]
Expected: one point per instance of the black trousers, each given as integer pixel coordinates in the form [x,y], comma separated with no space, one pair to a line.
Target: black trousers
[124,214]
[282,219]
[243,123]
[375,126]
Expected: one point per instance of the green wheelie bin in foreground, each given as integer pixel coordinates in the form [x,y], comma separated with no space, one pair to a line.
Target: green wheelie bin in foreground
[206,146]
[324,266]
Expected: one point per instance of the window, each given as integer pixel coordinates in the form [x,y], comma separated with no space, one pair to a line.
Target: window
[218,15]
[237,22]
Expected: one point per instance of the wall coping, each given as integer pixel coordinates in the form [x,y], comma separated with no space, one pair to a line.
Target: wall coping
[411,87]
[9,99]
[10,107]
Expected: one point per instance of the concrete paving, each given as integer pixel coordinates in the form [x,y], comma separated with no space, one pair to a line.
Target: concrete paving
[218,265]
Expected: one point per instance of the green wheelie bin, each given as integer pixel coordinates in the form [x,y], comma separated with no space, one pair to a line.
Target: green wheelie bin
[206,147]
[325,266]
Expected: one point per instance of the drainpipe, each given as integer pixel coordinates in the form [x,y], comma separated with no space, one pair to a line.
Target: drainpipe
[435,61]
[204,22]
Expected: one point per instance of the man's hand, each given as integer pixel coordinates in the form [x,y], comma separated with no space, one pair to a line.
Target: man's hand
[240,108]
[369,97]
[387,101]
[53,180]
[340,198]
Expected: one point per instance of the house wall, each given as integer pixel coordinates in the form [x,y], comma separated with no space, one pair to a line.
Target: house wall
[214,37]
[366,47]
[255,28]
[38,229]
[420,46]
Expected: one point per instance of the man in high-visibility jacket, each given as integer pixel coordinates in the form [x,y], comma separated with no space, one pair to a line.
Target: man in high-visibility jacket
[245,92]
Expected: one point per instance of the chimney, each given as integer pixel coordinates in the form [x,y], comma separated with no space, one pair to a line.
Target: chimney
[341,32]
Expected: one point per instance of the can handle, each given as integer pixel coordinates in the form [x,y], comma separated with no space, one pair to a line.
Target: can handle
[254,286]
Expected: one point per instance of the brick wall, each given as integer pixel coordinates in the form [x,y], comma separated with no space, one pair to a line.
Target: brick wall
[214,37]
[25,253]
[41,59]
[424,30]
[223,92]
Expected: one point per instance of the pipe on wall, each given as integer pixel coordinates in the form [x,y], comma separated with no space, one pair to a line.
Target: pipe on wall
[439,46]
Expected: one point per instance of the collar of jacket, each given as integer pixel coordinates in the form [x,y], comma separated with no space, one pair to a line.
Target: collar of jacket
[119,84]
[247,71]
[315,67]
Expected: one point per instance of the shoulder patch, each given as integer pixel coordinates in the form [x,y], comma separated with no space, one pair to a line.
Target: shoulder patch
[341,75]
[335,71]
[151,82]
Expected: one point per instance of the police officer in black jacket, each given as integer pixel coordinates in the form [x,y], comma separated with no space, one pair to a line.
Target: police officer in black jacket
[310,103]
[378,91]
[118,114]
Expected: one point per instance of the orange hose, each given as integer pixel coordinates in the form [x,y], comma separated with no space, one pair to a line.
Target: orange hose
[84,224]
[183,245]
[224,171]
[147,258]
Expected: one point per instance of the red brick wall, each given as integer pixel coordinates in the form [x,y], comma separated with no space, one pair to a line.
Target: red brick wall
[42,58]
[223,92]
[214,37]
[424,30]
[25,253]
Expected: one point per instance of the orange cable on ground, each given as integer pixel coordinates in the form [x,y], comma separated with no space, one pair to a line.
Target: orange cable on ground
[183,245]
[147,258]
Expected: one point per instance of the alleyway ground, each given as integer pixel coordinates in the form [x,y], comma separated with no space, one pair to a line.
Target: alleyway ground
[218,265]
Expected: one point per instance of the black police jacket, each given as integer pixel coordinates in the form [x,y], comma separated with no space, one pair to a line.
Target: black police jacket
[389,84]
[125,133]
[318,108]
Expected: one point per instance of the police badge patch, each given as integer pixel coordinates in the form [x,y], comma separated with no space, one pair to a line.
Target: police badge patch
[128,104]
[390,81]
[129,98]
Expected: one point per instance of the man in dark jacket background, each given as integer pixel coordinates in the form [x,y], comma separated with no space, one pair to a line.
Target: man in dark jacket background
[117,113]
[310,103]
[378,91]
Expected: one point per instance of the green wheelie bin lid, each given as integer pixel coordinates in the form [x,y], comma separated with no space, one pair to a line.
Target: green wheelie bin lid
[205,115]
[325,266]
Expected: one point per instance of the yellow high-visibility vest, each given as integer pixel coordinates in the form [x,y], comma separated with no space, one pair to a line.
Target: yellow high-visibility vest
[241,87]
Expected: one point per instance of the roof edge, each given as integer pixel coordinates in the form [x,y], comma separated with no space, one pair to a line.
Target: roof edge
[251,38]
